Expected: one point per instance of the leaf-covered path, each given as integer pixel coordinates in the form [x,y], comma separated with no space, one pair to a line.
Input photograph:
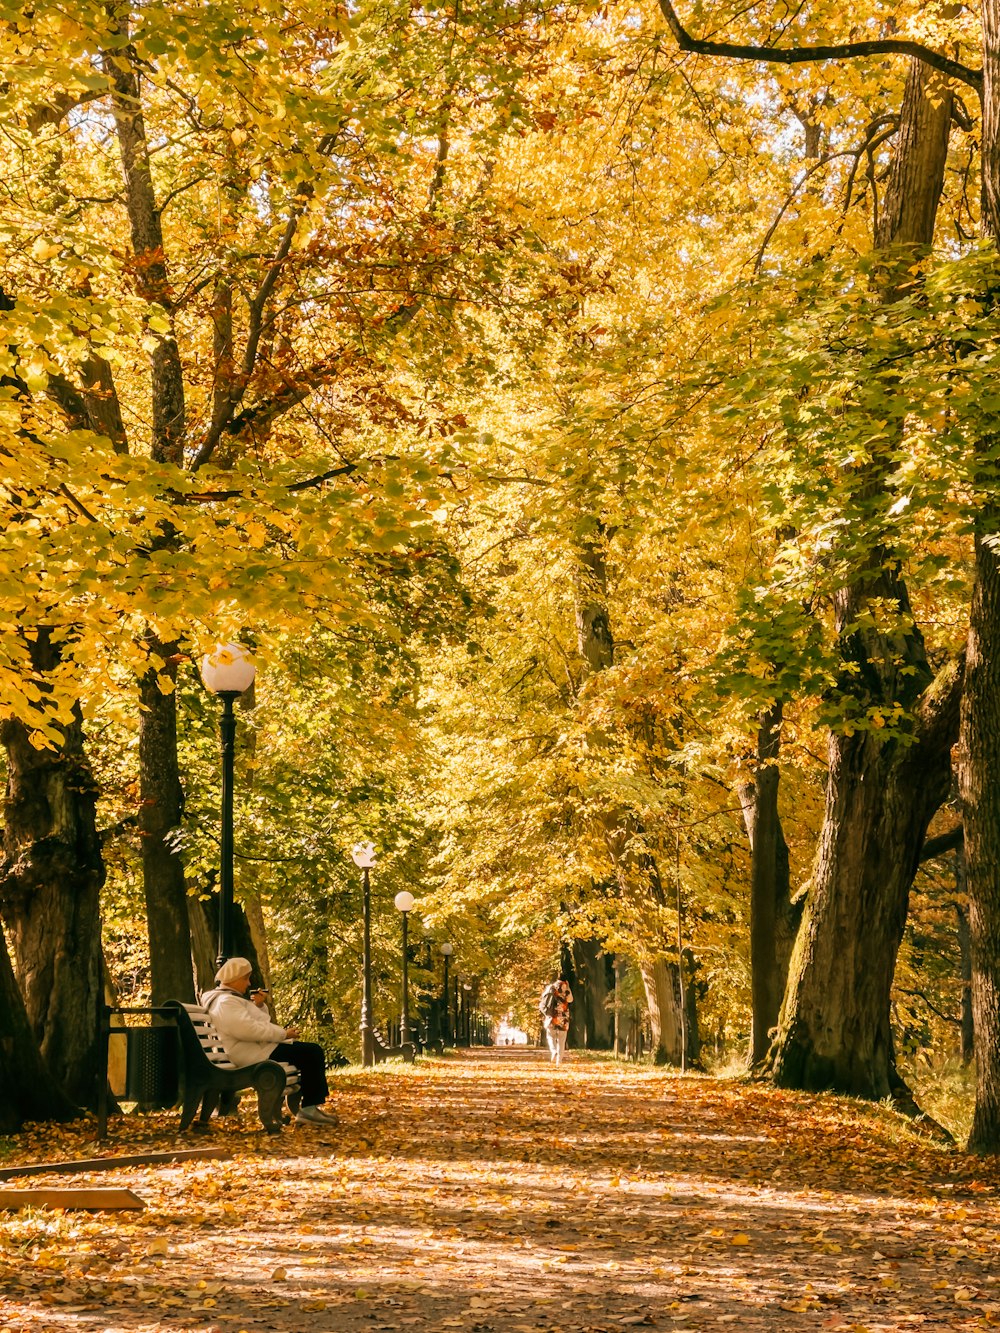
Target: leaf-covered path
[493,1192]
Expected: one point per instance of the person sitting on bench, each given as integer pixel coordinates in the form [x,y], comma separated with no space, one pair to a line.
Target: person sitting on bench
[248,1035]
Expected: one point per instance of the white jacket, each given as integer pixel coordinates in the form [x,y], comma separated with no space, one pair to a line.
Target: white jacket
[246,1031]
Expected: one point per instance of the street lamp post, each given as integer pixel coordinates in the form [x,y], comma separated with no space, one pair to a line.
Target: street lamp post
[363,856]
[228,672]
[404,904]
[446,951]
[467,1025]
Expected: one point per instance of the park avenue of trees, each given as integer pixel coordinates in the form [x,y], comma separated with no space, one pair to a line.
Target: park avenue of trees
[588,417]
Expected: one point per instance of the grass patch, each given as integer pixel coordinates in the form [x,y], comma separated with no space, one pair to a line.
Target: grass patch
[946,1090]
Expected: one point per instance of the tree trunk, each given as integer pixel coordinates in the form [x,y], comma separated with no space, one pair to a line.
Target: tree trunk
[163,872]
[591,995]
[834,1029]
[203,918]
[979,764]
[595,641]
[773,920]
[664,1010]
[567,968]
[596,646]
[979,746]
[619,1019]
[27,1089]
[916,176]
[150,266]
[161,807]
[53,872]
[968,1026]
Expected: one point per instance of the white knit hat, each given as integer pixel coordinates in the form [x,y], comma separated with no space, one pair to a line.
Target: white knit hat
[232,969]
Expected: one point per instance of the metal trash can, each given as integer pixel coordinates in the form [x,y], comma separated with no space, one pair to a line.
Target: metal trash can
[151,1066]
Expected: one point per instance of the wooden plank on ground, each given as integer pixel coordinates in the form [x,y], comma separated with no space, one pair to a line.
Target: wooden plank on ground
[94,1200]
[112,1163]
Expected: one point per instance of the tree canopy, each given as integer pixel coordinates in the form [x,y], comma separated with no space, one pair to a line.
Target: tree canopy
[586,415]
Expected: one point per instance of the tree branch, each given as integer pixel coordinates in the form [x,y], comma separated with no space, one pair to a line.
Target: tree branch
[919,995]
[53,111]
[944,842]
[805,54]
[256,308]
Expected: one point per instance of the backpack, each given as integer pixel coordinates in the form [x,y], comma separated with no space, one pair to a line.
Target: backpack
[550,1001]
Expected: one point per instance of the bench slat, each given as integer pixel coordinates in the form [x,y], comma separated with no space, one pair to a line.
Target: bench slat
[212,1045]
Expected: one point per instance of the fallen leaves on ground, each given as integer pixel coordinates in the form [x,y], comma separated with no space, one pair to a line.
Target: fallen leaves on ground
[493,1192]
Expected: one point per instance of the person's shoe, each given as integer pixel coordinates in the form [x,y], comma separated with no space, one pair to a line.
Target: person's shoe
[312,1115]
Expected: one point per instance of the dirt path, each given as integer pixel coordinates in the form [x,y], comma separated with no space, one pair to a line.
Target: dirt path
[493,1192]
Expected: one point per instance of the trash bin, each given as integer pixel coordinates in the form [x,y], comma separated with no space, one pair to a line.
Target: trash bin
[151,1066]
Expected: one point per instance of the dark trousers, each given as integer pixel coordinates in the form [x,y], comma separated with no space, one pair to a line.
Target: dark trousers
[310,1061]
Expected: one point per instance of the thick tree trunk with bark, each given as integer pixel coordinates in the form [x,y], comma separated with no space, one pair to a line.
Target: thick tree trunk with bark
[659,979]
[171,976]
[966,1020]
[671,1045]
[567,969]
[27,1089]
[591,995]
[50,893]
[979,765]
[834,1029]
[916,177]
[595,641]
[152,278]
[979,747]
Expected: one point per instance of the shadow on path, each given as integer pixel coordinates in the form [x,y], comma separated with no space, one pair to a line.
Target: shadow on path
[491,1191]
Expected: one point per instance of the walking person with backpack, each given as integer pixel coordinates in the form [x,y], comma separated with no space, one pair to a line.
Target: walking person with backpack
[554,1008]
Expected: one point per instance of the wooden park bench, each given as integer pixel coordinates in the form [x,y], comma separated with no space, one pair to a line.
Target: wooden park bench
[184,1062]
[207,1074]
[407,1051]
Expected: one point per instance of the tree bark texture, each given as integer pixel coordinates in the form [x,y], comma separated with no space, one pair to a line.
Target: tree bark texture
[595,641]
[968,1026]
[27,1089]
[590,966]
[160,812]
[979,745]
[203,919]
[592,1024]
[834,1029]
[659,979]
[916,174]
[152,277]
[773,920]
[50,893]
[979,788]
[163,871]
[567,969]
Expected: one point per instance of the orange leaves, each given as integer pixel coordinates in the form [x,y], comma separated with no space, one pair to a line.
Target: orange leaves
[494,1194]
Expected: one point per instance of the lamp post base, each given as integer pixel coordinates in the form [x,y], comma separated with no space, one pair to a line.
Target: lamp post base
[367,1047]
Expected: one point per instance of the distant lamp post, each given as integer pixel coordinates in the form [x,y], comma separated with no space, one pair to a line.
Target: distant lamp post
[228,672]
[446,952]
[466,1015]
[404,904]
[363,856]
